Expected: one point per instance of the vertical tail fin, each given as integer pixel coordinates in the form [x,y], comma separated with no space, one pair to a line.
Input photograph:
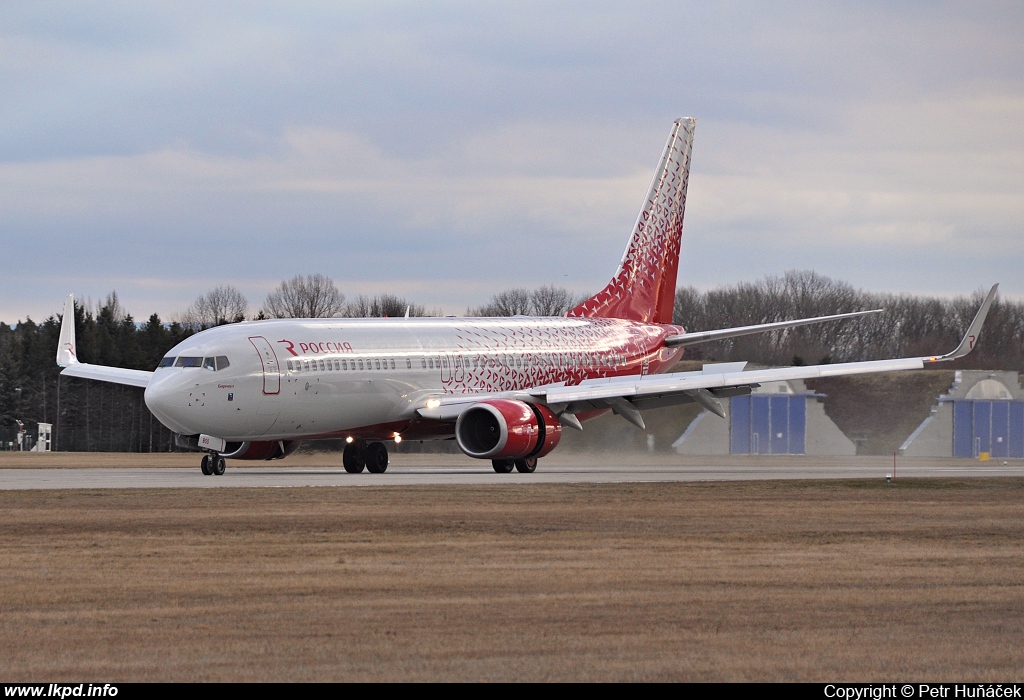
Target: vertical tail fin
[644,286]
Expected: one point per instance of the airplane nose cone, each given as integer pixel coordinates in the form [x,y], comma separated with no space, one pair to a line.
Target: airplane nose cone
[167,398]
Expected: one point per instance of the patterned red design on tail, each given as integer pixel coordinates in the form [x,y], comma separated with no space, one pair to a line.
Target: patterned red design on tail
[644,286]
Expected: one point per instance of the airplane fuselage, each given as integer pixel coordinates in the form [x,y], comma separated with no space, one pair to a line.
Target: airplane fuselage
[366,378]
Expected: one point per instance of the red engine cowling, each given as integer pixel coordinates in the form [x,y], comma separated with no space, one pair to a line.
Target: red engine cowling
[266,449]
[507,429]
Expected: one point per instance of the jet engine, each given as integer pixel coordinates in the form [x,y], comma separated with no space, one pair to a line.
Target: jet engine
[507,429]
[265,449]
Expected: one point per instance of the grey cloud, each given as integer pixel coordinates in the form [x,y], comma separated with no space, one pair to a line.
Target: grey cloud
[389,142]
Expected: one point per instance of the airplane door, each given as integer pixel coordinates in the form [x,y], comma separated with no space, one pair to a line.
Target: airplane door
[271,367]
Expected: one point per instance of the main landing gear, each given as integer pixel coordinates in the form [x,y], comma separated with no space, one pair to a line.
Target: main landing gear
[524,466]
[373,456]
[213,464]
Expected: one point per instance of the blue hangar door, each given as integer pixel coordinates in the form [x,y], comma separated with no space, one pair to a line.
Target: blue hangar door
[996,427]
[768,424]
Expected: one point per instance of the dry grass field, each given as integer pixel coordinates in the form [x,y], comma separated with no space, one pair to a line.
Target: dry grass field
[827,581]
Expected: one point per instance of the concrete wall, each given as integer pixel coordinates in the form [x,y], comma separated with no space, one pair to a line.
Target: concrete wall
[934,437]
[824,437]
[706,435]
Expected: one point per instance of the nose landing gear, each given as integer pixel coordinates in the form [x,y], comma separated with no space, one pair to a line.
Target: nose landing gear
[213,464]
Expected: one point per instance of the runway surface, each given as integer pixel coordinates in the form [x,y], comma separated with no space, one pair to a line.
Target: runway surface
[413,470]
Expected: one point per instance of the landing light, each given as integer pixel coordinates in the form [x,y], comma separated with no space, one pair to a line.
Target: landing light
[398,438]
[433,403]
[350,439]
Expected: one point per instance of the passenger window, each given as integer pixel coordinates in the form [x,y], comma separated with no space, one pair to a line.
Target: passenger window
[424,361]
[360,364]
[392,363]
[444,362]
[377,363]
[344,365]
[305,365]
[289,364]
[408,363]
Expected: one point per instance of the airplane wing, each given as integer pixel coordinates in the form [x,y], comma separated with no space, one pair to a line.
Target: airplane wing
[67,357]
[627,395]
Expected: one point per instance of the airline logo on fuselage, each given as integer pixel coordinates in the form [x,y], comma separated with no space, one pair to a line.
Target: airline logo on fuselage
[324,347]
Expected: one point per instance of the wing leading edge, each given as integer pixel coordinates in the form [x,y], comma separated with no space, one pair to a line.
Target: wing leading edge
[67,357]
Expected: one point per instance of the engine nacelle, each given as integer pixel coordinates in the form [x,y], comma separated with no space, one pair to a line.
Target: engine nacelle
[507,429]
[264,449]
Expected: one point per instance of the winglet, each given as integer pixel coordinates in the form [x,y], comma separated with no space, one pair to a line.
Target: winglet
[66,350]
[973,331]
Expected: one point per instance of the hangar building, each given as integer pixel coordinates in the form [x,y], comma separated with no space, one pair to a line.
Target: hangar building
[982,412]
[777,418]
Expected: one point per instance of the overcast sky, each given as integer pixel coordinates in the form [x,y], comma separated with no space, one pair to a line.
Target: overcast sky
[447,151]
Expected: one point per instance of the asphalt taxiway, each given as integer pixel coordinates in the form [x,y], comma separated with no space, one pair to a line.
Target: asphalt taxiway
[419,470]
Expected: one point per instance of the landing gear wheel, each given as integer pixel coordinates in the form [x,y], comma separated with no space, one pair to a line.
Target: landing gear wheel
[376,458]
[354,458]
[526,466]
[205,466]
[218,465]
[502,466]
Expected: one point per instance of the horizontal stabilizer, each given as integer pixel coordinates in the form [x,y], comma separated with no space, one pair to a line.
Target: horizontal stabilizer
[708,336]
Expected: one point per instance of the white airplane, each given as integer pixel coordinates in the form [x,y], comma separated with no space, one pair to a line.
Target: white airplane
[502,387]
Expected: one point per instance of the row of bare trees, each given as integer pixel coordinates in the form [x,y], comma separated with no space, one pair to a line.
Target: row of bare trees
[317,296]
[303,296]
[908,326]
[543,301]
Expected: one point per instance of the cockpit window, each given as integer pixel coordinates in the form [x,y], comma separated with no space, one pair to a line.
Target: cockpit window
[210,364]
[189,362]
[166,362]
[222,362]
